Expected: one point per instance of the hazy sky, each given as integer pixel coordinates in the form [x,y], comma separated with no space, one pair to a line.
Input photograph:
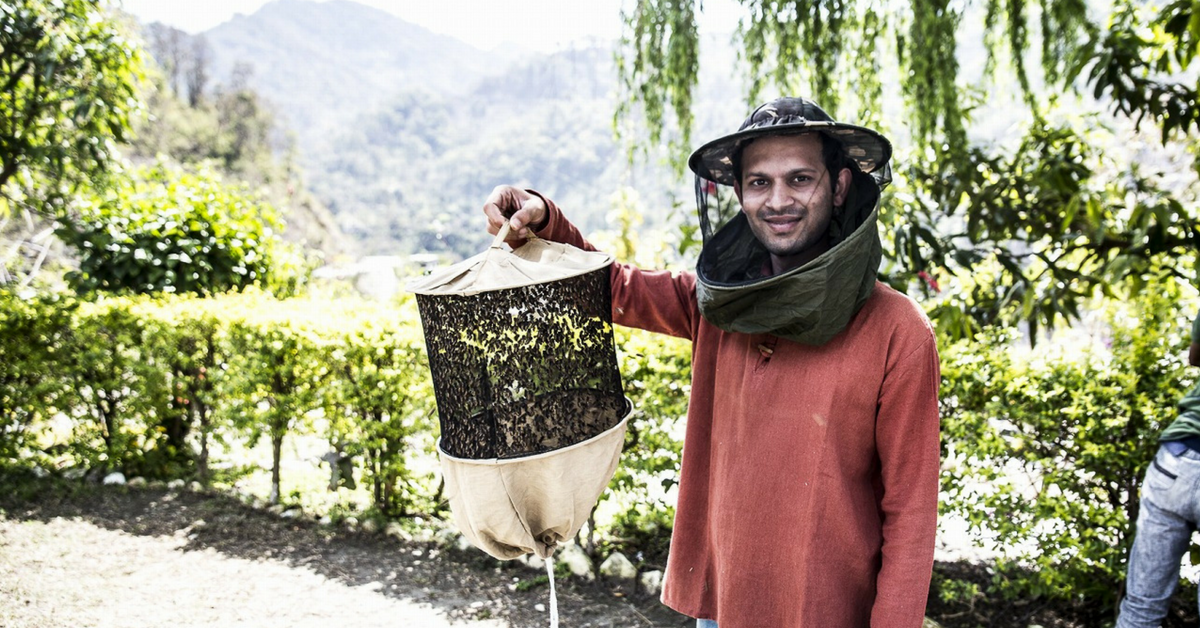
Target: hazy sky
[542,25]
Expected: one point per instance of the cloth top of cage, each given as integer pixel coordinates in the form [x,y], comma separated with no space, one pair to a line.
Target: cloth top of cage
[536,262]
[530,403]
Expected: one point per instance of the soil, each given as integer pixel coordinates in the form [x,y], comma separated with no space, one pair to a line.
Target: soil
[126,557]
[123,557]
[994,611]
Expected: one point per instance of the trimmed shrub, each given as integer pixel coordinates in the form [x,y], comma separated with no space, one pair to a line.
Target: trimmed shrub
[33,335]
[1044,454]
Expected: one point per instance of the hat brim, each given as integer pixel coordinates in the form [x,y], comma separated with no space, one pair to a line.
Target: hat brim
[714,160]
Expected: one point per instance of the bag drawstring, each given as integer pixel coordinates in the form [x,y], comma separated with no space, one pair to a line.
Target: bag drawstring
[553,595]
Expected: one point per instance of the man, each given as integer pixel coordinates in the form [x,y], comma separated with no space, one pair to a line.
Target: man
[808,489]
[1170,509]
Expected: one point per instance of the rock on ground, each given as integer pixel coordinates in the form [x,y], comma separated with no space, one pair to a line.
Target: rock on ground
[618,566]
[576,560]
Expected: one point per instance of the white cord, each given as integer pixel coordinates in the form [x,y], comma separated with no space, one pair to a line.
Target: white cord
[553,595]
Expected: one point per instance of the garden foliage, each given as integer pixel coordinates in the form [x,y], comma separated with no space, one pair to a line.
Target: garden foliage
[163,229]
[156,386]
[70,76]
[34,335]
[1045,452]
[173,385]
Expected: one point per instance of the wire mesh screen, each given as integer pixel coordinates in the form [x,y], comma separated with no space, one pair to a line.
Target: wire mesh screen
[523,371]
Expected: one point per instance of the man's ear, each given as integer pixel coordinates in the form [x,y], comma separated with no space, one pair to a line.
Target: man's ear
[842,189]
[737,190]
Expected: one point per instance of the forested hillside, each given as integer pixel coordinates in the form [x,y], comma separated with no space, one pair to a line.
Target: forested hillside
[402,133]
[196,118]
[412,177]
[321,63]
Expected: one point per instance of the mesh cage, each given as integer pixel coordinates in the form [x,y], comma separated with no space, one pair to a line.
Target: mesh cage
[525,370]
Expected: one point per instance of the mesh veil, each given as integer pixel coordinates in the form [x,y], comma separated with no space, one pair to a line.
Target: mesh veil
[717,204]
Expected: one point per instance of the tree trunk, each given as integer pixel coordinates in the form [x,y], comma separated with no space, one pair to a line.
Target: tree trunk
[199,399]
[591,535]
[387,470]
[109,427]
[376,478]
[202,463]
[179,424]
[437,497]
[276,454]
[7,170]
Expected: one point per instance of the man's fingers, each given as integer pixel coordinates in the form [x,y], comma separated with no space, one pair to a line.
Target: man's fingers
[532,211]
[495,218]
[499,205]
[518,207]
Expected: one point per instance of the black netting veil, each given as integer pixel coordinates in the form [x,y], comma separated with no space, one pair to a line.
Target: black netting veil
[717,204]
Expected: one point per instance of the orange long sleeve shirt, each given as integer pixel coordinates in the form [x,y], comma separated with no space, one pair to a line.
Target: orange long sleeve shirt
[809,483]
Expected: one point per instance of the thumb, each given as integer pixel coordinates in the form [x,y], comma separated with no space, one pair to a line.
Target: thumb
[532,210]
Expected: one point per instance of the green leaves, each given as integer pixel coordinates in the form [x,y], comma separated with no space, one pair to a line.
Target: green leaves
[145,384]
[657,375]
[168,230]
[1044,455]
[928,58]
[1033,235]
[1135,62]
[658,65]
[33,336]
[69,79]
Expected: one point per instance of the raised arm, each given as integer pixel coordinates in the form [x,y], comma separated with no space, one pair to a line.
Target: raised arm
[659,301]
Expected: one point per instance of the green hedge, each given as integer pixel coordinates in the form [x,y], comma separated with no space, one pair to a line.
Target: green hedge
[147,385]
[33,337]
[1044,450]
[156,386]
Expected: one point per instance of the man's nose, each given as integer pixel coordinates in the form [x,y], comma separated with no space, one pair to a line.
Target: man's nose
[780,198]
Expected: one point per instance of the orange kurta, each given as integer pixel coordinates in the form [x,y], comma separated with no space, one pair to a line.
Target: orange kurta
[808,488]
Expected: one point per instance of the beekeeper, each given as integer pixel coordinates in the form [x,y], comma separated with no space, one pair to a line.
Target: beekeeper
[808,488]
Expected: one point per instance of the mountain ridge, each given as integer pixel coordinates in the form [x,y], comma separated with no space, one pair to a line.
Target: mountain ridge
[403,139]
[322,63]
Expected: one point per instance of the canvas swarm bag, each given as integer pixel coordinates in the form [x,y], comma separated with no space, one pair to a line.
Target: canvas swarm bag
[529,396]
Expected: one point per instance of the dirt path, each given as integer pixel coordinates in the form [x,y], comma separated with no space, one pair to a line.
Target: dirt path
[62,573]
[81,556]
[124,558]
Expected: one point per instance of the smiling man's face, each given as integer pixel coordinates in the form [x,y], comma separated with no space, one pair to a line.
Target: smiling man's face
[787,197]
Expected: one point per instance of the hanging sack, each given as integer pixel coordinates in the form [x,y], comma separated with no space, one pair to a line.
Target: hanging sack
[529,396]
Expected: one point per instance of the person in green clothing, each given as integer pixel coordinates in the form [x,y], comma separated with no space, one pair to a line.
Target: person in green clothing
[1170,508]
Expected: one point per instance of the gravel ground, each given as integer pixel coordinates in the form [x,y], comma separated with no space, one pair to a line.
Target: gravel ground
[70,572]
[81,556]
[117,557]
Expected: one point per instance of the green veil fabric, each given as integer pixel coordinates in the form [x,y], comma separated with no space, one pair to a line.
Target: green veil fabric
[809,304]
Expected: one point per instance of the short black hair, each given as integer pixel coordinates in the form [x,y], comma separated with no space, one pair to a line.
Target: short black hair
[833,154]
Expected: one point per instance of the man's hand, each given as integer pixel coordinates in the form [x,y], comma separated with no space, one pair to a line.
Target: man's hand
[521,209]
